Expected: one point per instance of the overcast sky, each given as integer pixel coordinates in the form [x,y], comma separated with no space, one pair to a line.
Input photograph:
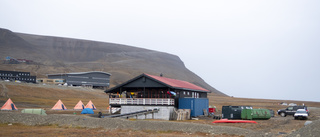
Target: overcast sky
[245,48]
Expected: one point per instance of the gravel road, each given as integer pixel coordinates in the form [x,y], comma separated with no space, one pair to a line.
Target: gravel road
[114,123]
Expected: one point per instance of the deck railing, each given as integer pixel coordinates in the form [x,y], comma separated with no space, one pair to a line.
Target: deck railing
[142,101]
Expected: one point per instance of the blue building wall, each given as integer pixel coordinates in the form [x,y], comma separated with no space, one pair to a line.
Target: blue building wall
[196,105]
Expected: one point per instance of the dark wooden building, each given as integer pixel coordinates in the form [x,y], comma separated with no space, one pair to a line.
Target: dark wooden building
[17,75]
[150,90]
[95,79]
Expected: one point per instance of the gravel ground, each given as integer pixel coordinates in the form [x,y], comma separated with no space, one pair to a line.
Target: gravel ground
[112,123]
[310,130]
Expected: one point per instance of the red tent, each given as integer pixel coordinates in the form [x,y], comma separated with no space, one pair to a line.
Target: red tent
[90,105]
[59,106]
[9,105]
[79,106]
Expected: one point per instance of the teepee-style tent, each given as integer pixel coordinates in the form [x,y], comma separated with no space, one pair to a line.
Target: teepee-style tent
[79,106]
[59,106]
[90,105]
[9,105]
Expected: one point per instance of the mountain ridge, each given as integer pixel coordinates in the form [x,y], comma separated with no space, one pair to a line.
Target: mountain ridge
[64,55]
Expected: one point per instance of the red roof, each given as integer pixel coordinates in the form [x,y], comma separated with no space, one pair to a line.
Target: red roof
[177,83]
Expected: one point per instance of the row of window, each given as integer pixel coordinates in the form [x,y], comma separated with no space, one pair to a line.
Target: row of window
[100,78]
[77,77]
[85,82]
[5,74]
[22,79]
[88,77]
[194,94]
[21,74]
[51,80]
[24,74]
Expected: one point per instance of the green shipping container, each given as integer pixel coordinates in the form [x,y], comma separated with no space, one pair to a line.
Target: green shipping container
[255,114]
[233,112]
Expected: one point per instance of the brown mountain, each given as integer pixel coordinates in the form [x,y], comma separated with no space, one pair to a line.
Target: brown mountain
[63,55]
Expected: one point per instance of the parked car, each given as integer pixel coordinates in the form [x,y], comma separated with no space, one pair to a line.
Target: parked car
[301,114]
[283,103]
[17,81]
[291,110]
[292,104]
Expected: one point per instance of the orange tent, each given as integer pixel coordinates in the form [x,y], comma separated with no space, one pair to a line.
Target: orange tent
[59,106]
[80,105]
[9,105]
[90,105]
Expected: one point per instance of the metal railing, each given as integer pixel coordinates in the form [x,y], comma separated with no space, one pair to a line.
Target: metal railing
[137,113]
[142,101]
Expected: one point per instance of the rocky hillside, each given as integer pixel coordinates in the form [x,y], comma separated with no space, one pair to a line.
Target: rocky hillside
[63,55]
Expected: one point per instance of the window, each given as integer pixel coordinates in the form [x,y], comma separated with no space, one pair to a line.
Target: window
[188,93]
[58,81]
[184,93]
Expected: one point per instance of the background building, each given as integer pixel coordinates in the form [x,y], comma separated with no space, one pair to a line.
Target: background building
[16,75]
[95,79]
[51,81]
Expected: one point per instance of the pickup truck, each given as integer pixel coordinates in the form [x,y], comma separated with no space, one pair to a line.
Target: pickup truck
[291,110]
